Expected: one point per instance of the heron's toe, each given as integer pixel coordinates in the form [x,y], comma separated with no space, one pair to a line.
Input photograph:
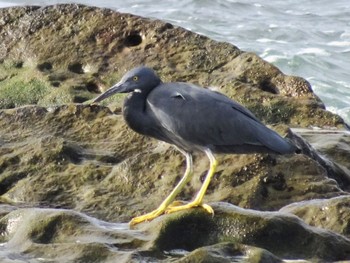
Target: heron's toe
[146,217]
[208,208]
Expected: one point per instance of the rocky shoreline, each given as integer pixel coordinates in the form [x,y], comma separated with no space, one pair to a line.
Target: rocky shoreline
[72,174]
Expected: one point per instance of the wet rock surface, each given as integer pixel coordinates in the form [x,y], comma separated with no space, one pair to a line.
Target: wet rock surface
[284,235]
[233,234]
[332,214]
[72,175]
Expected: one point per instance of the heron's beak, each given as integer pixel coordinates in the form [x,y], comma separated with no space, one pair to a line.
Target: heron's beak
[117,88]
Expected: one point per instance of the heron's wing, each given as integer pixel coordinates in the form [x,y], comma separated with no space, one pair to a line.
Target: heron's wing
[206,118]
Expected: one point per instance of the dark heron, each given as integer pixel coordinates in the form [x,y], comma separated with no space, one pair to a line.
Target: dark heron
[193,119]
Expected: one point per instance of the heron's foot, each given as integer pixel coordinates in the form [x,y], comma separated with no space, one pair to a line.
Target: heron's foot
[179,205]
[146,217]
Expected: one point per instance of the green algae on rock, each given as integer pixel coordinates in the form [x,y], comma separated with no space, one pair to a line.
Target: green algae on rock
[20,86]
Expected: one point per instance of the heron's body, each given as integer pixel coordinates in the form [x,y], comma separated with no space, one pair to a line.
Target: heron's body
[214,121]
[193,119]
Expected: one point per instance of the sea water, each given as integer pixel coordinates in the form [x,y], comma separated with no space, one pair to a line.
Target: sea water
[310,39]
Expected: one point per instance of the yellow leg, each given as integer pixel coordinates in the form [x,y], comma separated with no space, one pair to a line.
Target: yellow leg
[199,197]
[163,206]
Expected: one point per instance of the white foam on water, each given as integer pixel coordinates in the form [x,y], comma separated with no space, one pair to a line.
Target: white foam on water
[7,4]
[344,112]
[345,35]
[339,43]
[343,83]
[273,58]
[268,40]
[313,50]
[273,26]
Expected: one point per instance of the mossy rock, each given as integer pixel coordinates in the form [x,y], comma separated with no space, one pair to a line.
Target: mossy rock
[232,233]
[74,52]
[282,234]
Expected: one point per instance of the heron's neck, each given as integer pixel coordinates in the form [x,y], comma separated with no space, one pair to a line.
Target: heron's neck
[134,112]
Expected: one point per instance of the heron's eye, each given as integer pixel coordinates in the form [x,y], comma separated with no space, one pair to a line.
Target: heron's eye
[135,78]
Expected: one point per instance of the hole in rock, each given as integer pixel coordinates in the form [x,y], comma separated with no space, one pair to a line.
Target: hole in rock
[19,64]
[46,66]
[164,27]
[133,39]
[92,87]
[76,68]
[56,84]
[268,87]
[10,181]
[79,99]
[108,159]
[168,26]
[72,153]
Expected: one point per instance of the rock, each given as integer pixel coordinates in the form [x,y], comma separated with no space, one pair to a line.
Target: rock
[335,164]
[39,234]
[72,52]
[332,214]
[229,252]
[73,163]
[61,159]
[84,157]
[284,235]
[333,144]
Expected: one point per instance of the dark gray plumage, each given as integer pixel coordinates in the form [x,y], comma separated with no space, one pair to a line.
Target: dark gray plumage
[193,119]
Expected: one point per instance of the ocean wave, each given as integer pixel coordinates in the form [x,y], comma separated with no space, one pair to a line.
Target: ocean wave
[313,50]
[268,40]
[339,43]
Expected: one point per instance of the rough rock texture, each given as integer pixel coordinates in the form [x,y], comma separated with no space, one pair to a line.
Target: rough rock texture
[84,157]
[62,165]
[67,236]
[67,53]
[284,235]
[332,214]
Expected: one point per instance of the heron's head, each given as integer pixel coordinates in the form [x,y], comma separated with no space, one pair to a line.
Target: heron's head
[139,80]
